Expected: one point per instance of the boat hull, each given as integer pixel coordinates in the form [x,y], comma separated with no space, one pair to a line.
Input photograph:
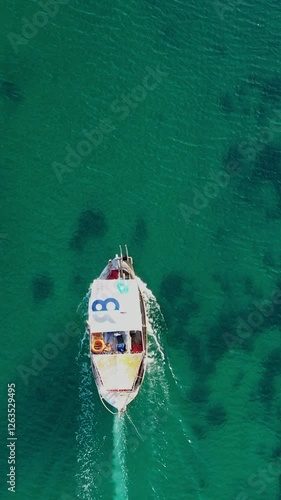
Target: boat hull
[118,355]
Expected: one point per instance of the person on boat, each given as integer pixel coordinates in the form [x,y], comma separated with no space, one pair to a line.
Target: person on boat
[121,347]
[137,348]
[136,342]
[120,341]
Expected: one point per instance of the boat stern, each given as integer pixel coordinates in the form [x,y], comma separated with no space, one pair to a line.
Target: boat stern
[118,377]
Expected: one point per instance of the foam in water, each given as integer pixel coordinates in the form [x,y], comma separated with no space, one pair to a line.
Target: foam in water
[156,325]
[119,470]
[87,446]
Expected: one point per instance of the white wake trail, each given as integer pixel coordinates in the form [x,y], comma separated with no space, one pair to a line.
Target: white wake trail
[85,425]
[119,471]
[88,447]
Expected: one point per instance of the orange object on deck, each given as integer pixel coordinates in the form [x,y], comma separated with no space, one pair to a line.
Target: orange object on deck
[97,346]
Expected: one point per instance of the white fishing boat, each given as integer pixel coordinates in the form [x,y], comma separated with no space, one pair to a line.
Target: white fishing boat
[117,333]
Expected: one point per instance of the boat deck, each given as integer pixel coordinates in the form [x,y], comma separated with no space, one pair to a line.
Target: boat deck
[116,342]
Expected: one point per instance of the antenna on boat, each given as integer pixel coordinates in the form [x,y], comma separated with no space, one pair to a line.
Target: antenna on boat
[129,260]
[120,262]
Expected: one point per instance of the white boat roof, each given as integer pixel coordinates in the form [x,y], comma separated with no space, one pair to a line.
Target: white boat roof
[118,371]
[114,305]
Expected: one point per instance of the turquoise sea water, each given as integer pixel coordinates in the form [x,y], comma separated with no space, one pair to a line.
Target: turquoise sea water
[182,104]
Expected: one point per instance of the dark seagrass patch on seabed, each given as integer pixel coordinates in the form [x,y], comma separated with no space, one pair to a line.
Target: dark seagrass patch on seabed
[90,225]
[10,91]
[194,350]
[216,344]
[178,290]
[233,158]
[140,233]
[223,282]
[198,360]
[77,283]
[199,393]
[271,369]
[42,287]
[172,287]
[268,164]
[77,280]
[199,430]
[216,415]
[179,303]
[220,235]
[186,309]
[276,452]
[227,102]
[250,288]
[268,168]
